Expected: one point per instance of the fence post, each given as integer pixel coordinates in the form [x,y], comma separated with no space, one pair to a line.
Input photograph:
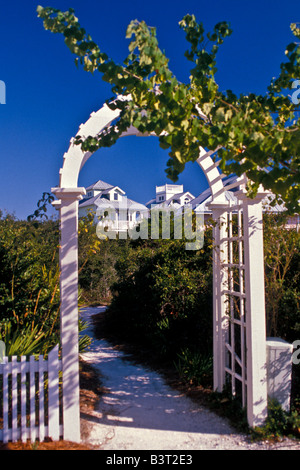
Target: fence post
[23,399]
[32,395]
[53,394]
[14,393]
[6,366]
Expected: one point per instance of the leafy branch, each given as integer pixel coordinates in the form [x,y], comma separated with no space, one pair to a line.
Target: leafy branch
[257,135]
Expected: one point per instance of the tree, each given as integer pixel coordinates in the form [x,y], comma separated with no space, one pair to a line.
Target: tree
[255,135]
[281,253]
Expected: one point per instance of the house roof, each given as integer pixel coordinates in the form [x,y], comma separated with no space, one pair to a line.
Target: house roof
[133,205]
[88,201]
[228,180]
[105,191]
[100,185]
[200,204]
[202,207]
[178,195]
[169,200]
[152,201]
[99,201]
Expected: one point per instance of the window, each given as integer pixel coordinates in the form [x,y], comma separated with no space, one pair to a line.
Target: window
[116,196]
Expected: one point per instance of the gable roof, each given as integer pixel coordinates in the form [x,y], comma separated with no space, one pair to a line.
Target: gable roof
[106,191]
[179,195]
[100,185]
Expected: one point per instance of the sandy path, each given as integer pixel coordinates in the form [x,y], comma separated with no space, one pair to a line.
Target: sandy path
[140,412]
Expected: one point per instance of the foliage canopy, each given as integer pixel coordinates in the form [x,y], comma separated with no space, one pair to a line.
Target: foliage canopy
[255,135]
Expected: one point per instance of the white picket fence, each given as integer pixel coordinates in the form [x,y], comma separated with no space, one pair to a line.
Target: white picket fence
[30,398]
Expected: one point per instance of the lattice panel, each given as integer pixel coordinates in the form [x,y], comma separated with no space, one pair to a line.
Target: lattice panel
[235,367]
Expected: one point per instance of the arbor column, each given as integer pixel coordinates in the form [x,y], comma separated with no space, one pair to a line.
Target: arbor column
[220,279]
[255,309]
[68,255]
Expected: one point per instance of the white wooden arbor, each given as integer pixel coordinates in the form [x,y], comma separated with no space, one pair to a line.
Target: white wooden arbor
[238,283]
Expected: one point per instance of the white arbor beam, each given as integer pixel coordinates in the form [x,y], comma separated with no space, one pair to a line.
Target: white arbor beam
[255,310]
[68,256]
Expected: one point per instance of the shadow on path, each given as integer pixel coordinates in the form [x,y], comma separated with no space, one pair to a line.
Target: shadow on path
[139,398]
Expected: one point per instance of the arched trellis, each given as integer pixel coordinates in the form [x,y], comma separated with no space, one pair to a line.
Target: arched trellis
[248,365]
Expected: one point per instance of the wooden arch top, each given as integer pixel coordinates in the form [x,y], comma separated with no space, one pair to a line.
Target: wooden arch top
[75,157]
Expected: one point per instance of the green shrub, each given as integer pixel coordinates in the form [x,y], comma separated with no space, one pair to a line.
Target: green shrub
[97,259]
[282,274]
[195,368]
[19,342]
[29,286]
[29,274]
[163,297]
[279,423]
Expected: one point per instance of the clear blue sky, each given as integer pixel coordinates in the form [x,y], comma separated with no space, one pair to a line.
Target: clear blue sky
[48,97]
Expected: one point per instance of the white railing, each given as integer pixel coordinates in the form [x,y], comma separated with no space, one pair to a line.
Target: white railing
[30,398]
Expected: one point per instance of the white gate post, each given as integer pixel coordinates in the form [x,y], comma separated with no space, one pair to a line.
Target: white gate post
[255,309]
[68,254]
[220,278]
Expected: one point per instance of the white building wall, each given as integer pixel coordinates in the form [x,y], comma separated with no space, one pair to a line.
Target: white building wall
[166,191]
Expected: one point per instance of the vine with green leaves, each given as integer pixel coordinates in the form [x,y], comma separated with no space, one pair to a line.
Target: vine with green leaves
[256,135]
